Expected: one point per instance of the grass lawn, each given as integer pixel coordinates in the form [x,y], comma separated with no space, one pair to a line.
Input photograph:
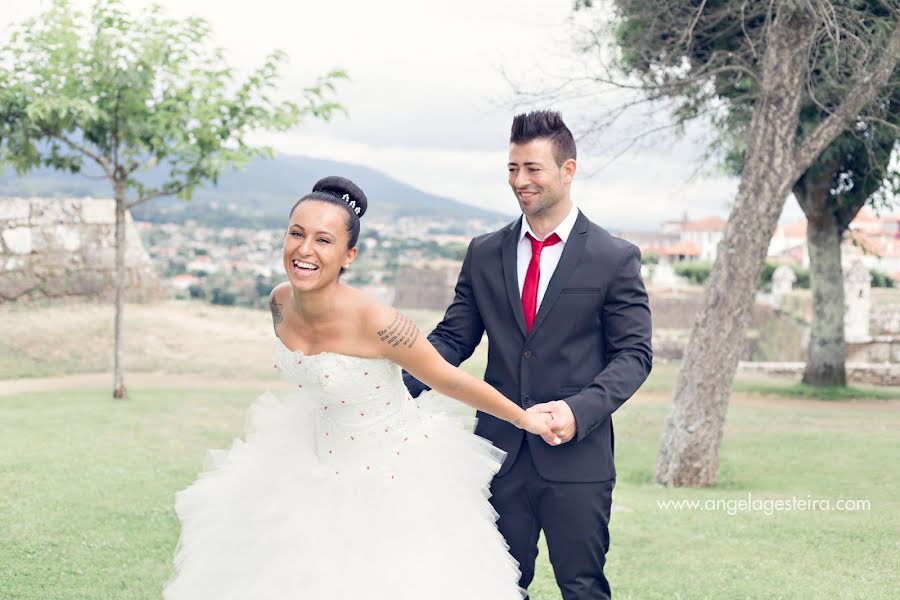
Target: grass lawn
[87,484]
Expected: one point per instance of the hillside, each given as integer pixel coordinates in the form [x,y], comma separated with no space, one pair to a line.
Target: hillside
[173,337]
[258,195]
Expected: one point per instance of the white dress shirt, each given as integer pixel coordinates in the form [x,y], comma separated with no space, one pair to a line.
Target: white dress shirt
[550,255]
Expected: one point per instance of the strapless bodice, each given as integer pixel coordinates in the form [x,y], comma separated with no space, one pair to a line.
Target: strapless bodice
[364,413]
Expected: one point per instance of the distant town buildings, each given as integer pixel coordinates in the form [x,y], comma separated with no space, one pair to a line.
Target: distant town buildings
[681,240]
[411,261]
[874,239]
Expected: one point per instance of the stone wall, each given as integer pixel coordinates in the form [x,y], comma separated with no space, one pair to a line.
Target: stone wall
[867,373]
[54,248]
[878,349]
[427,287]
[773,335]
[884,319]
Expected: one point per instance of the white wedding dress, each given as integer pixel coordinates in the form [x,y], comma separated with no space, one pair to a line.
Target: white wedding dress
[344,488]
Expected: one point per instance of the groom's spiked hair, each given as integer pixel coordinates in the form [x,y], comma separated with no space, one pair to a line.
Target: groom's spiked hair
[544,124]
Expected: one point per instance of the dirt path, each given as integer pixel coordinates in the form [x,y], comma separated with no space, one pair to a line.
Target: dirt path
[133,380]
[187,381]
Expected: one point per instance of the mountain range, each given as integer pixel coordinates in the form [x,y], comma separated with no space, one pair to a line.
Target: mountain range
[258,195]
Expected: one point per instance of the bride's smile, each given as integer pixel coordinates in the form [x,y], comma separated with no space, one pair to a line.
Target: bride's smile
[316,245]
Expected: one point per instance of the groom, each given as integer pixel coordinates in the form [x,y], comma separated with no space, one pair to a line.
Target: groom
[568,326]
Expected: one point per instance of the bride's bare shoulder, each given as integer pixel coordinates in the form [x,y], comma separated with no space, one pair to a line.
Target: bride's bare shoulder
[280,291]
[371,315]
[364,306]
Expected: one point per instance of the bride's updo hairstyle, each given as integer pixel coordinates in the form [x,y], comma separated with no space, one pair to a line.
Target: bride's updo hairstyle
[344,193]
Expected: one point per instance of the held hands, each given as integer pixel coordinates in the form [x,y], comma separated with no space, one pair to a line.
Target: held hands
[538,423]
[562,419]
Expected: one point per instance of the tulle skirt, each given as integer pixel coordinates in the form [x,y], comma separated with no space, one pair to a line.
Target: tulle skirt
[268,519]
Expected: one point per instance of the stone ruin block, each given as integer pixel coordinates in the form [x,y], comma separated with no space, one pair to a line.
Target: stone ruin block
[98,212]
[14,211]
[52,248]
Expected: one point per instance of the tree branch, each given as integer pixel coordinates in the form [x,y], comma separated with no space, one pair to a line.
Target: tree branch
[137,165]
[166,190]
[97,158]
[689,32]
[862,94]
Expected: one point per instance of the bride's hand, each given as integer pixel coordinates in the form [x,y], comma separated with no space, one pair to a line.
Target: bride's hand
[539,424]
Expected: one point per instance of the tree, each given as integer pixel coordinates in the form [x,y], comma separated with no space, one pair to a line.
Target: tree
[134,96]
[772,56]
[853,171]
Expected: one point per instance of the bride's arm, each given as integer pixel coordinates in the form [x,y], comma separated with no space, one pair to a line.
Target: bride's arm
[399,340]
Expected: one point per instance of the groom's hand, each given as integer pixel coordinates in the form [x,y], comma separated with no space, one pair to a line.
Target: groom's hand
[563,420]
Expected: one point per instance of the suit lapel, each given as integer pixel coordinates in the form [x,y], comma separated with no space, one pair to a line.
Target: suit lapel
[572,252]
[509,256]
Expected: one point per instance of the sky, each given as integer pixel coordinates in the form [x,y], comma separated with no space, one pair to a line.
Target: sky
[431,97]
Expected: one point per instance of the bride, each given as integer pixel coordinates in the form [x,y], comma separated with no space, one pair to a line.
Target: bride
[346,487]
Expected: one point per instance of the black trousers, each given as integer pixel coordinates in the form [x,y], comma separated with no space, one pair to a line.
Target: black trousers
[575,521]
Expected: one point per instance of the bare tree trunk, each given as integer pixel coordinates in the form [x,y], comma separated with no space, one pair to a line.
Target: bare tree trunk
[118,379]
[689,448]
[826,354]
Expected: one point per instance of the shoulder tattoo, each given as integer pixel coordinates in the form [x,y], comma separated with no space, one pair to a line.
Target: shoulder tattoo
[401,332]
[277,317]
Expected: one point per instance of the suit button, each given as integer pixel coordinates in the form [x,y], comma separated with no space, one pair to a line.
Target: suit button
[527,399]
[527,354]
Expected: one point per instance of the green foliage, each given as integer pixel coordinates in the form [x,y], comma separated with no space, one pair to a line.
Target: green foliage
[135,94]
[233,289]
[649,259]
[694,271]
[882,280]
[697,272]
[765,278]
[800,273]
[223,297]
[706,59]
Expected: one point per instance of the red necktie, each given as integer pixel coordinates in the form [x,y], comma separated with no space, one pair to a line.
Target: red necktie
[533,276]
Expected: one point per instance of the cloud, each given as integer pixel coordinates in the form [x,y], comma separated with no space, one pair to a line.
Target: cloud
[428,103]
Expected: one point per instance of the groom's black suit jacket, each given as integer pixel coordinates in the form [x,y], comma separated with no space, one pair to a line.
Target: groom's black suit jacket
[589,344]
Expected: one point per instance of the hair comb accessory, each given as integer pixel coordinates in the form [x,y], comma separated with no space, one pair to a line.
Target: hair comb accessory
[352,203]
